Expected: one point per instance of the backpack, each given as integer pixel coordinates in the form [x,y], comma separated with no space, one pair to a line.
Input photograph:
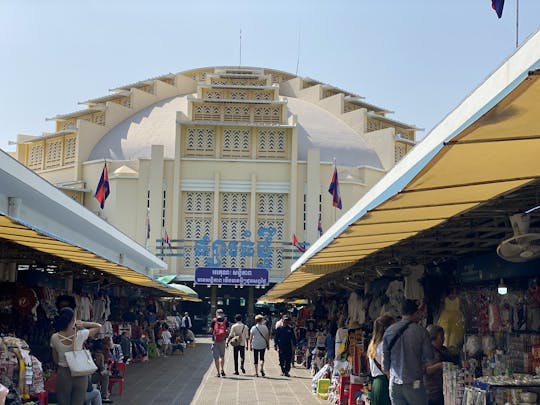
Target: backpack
[220,330]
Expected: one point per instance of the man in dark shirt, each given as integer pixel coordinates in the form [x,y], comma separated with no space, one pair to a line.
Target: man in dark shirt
[284,341]
[406,351]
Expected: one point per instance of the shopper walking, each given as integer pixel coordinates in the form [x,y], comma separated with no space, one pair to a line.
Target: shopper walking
[238,338]
[70,335]
[284,342]
[406,351]
[259,342]
[218,329]
[380,394]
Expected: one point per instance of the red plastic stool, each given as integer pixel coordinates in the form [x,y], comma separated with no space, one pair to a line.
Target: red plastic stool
[120,379]
[42,397]
[355,391]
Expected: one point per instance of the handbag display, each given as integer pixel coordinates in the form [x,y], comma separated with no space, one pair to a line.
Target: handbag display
[80,362]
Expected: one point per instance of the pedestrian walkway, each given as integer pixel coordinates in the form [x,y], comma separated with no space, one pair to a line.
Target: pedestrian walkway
[190,379]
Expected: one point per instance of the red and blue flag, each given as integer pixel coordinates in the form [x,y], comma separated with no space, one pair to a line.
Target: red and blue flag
[334,189]
[102,191]
[167,240]
[498,6]
[301,247]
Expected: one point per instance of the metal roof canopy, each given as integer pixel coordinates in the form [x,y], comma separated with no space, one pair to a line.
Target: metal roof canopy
[34,214]
[451,195]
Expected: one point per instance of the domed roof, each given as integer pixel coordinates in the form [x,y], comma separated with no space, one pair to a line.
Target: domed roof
[317,128]
[156,125]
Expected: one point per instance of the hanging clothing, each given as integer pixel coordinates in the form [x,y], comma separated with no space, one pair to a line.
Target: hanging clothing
[413,288]
[356,308]
[452,321]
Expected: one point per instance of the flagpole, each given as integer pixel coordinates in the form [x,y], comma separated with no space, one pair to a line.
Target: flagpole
[334,213]
[517,23]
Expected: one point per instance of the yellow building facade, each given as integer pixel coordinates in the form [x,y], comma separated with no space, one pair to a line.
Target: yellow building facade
[218,157]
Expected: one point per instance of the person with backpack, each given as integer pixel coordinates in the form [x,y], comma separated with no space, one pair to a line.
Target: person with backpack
[219,330]
[407,351]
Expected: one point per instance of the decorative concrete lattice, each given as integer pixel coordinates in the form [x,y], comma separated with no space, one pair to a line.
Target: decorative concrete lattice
[236,142]
[35,157]
[53,153]
[200,141]
[69,150]
[271,143]
[200,202]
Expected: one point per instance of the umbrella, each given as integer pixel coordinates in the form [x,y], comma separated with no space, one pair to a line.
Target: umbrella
[166,279]
[185,289]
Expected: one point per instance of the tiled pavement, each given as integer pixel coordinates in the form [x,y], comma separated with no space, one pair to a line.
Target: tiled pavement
[189,379]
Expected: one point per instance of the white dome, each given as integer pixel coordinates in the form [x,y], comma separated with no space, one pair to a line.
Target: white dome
[156,125]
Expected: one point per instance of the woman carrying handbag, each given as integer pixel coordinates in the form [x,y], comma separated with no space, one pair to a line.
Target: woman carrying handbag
[259,343]
[379,390]
[70,337]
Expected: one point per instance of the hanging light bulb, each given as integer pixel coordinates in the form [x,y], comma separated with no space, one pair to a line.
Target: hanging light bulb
[502,289]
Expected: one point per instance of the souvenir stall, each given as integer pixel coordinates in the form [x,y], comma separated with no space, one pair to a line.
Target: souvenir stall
[27,311]
[498,325]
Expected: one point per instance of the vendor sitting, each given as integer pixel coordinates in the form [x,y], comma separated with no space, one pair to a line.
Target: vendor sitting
[101,354]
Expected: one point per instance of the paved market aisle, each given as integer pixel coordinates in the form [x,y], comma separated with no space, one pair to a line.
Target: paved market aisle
[189,379]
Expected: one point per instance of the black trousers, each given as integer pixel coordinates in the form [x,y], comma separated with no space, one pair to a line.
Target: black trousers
[242,351]
[285,358]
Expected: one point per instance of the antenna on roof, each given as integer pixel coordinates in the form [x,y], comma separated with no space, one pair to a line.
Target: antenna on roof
[240,61]
[298,51]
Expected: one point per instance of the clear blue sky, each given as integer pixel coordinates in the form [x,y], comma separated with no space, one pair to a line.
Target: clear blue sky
[419,58]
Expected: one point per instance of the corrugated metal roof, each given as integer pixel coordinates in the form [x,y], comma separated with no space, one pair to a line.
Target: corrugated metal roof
[486,147]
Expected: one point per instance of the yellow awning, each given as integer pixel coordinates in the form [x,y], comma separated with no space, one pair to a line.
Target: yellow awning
[495,153]
[23,235]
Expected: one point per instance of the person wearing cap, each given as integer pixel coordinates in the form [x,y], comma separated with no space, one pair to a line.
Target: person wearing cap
[219,330]
[259,342]
[284,342]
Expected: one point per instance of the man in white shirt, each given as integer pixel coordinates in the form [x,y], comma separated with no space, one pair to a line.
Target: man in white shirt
[186,321]
[238,338]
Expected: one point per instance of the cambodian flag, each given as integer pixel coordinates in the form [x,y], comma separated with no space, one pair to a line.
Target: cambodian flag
[167,240]
[498,6]
[334,189]
[102,191]
[297,244]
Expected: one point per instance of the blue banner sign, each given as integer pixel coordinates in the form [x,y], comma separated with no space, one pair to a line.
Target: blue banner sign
[231,276]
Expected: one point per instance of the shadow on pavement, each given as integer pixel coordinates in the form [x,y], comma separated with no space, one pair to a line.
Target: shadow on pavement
[171,380]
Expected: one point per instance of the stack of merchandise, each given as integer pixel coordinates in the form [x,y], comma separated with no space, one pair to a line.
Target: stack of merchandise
[521,352]
[453,383]
[19,370]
